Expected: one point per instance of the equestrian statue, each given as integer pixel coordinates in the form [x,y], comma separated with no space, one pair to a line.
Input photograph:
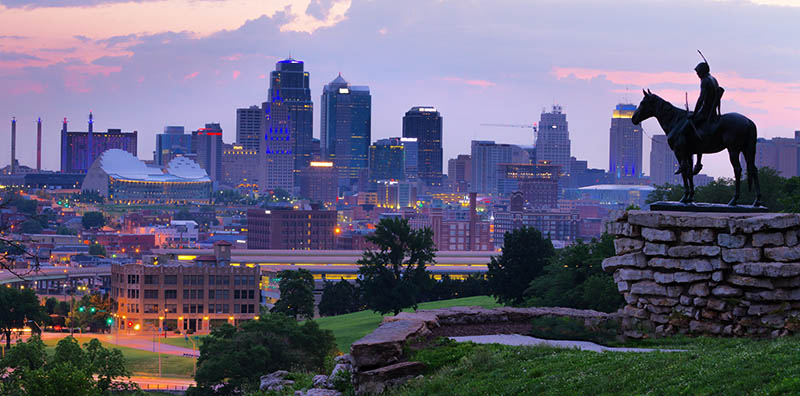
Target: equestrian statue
[704,131]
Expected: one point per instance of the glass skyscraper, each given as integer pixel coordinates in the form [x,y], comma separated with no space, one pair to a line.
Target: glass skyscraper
[425,124]
[625,146]
[553,144]
[346,129]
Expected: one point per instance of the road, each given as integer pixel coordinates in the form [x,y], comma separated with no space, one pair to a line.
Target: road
[162,383]
[144,343]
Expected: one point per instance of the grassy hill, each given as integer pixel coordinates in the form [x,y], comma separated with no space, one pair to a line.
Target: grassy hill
[351,327]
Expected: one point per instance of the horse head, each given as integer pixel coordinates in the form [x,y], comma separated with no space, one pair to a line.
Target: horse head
[646,108]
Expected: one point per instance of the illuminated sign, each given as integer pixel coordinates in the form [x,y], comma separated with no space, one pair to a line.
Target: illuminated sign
[344,90]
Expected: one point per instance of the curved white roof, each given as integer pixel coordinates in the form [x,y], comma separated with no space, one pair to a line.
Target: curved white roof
[121,164]
[617,187]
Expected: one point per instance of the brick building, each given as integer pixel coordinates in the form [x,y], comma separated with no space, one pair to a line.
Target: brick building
[290,229]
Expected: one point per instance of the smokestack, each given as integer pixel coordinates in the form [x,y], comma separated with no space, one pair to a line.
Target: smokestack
[89,147]
[473,197]
[13,168]
[39,144]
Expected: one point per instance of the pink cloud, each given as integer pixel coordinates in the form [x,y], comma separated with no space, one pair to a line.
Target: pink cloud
[232,58]
[191,76]
[236,74]
[474,83]
[24,87]
[771,101]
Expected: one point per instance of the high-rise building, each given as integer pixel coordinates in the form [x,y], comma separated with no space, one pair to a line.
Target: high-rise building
[537,182]
[287,126]
[386,160]
[318,182]
[411,157]
[207,147]
[778,153]
[291,229]
[241,168]
[248,127]
[625,148]
[79,149]
[663,163]
[459,172]
[553,144]
[346,129]
[485,160]
[425,124]
[170,144]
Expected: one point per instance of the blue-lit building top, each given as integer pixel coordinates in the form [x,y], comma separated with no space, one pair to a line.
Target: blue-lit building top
[625,146]
[346,129]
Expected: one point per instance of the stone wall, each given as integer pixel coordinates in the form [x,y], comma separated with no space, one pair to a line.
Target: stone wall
[707,273]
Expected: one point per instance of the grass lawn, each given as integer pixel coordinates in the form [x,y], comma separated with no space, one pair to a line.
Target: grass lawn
[708,367]
[183,342]
[141,362]
[351,327]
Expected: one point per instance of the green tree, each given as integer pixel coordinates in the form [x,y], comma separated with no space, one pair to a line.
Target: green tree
[92,311]
[96,249]
[339,298]
[28,355]
[233,358]
[17,308]
[524,256]
[93,220]
[394,276]
[297,294]
[30,226]
[574,278]
[62,230]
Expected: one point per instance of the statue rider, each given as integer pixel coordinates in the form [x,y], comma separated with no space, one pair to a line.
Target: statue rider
[707,110]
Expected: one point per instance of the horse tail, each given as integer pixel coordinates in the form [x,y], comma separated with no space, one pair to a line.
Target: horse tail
[750,155]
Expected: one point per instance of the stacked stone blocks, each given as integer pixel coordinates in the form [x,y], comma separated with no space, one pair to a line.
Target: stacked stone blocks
[707,273]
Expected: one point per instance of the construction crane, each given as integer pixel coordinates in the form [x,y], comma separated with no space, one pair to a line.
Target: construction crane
[533,127]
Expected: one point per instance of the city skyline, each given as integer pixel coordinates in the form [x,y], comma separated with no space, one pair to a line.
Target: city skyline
[148,76]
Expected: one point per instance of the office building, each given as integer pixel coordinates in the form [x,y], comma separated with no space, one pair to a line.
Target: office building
[80,149]
[291,229]
[625,146]
[538,183]
[346,129]
[386,160]
[557,226]
[486,157]
[553,144]
[186,298]
[777,153]
[459,172]
[395,194]
[207,147]
[410,157]
[124,179]
[318,182]
[170,144]
[425,124]
[248,127]
[241,168]
[663,163]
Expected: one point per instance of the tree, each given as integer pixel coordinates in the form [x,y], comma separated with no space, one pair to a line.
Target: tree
[17,308]
[233,358]
[30,226]
[394,276]
[574,278]
[524,256]
[62,230]
[339,298]
[97,249]
[93,220]
[92,311]
[297,293]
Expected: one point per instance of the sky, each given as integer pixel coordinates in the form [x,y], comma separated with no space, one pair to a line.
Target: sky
[141,65]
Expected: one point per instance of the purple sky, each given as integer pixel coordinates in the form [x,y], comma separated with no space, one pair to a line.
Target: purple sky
[144,64]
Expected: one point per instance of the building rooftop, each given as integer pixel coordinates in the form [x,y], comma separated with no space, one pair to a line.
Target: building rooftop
[123,165]
[617,187]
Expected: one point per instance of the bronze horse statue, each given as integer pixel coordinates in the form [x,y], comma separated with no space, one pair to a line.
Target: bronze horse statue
[733,132]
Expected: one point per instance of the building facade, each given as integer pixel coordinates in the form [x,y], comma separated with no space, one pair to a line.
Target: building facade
[241,168]
[207,147]
[248,127]
[485,160]
[386,160]
[346,133]
[318,182]
[170,144]
[291,229]
[552,143]
[625,146]
[557,226]
[80,149]
[663,163]
[538,183]
[780,154]
[425,124]
[459,172]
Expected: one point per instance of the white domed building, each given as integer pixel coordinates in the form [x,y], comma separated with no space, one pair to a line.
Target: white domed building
[125,179]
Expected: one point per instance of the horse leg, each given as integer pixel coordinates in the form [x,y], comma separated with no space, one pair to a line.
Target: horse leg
[698,166]
[685,168]
[752,173]
[737,174]
[690,176]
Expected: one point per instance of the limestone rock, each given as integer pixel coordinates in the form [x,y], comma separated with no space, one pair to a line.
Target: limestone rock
[730,241]
[622,229]
[767,239]
[766,221]
[385,344]
[687,251]
[760,309]
[655,249]
[699,289]
[627,260]
[774,295]
[717,276]
[627,245]
[698,236]
[656,235]
[741,255]
[750,282]
[378,380]
[790,238]
[783,253]
[664,277]
[771,270]
[320,381]
[632,274]
[689,277]
[274,381]
[322,392]
[650,288]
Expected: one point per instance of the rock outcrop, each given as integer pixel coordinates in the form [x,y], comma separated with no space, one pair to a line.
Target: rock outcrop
[707,273]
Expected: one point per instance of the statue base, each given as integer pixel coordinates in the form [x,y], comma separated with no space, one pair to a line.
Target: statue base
[674,206]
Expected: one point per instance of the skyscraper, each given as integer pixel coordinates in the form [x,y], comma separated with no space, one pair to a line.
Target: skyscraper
[287,128]
[386,160]
[173,142]
[459,172]
[553,145]
[425,124]
[410,157]
[485,160]
[248,127]
[662,162]
[79,149]
[346,129]
[207,145]
[625,147]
